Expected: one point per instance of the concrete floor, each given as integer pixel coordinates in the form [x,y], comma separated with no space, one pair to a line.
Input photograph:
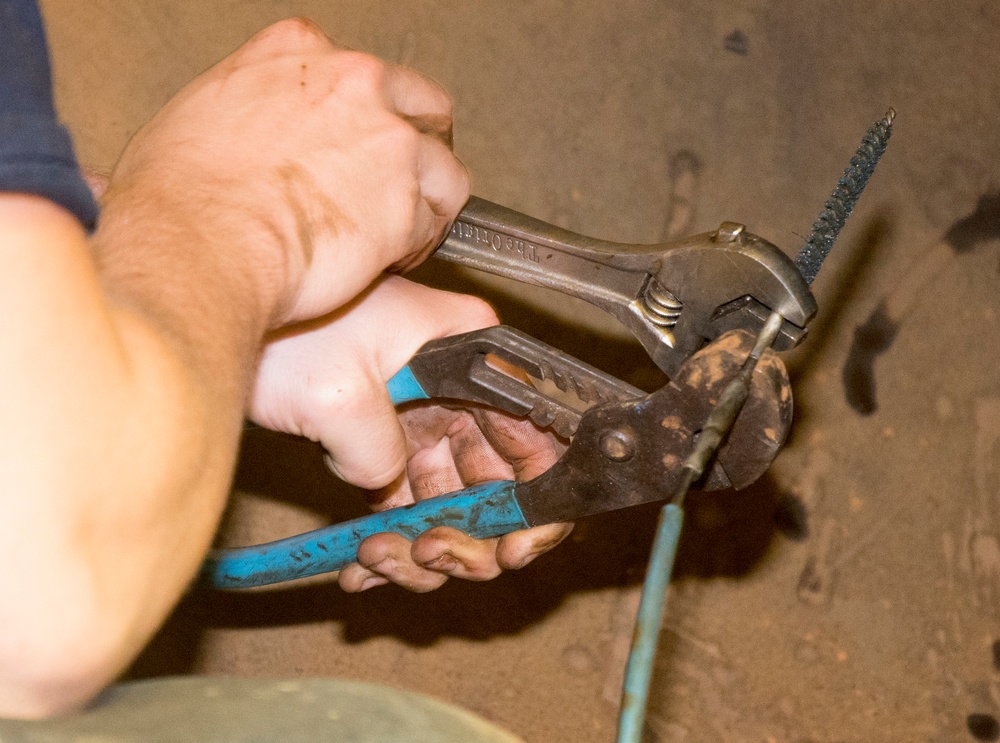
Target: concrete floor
[854,594]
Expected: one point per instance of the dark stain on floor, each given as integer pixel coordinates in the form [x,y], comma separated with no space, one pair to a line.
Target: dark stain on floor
[982,225]
[791,517]
[983,727]
[875,336]
[871,339]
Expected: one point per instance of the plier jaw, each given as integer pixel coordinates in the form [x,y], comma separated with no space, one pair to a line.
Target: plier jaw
[631,452]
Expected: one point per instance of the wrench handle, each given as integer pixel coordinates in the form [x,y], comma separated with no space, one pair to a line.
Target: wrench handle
[504,242]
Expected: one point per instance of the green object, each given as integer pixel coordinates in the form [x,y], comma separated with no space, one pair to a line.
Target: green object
[231,710]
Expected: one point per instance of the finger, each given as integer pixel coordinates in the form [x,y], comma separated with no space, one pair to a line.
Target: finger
[519,548]
[455,554]
[475,458]
[355,578]
[419,313]
[420,100]
[444,190]
[425,426]
[395,495]
[438,126]
[426,423]
[388,555]
[458,456]
[529,449]
[372,452]
[431,472]
[444,181]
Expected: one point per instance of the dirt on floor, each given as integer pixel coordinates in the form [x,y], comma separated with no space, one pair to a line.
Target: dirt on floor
[853,594]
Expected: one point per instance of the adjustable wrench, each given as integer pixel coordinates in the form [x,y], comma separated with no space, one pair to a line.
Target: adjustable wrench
[672,296]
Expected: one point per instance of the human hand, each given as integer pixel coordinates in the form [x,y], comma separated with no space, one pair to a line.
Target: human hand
[451,449]
[326,380]
[315,167]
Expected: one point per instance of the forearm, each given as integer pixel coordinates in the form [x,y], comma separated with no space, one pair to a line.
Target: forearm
[271,190]
[122,414]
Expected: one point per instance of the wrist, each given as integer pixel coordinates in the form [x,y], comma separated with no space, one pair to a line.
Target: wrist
[200,231]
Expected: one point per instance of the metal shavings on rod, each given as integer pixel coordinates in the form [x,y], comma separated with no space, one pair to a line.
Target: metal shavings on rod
[841,202]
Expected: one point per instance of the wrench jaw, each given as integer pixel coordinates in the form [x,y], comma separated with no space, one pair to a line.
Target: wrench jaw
[724,280]
[673,297]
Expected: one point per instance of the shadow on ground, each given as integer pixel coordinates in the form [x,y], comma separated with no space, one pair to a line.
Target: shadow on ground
[725,534]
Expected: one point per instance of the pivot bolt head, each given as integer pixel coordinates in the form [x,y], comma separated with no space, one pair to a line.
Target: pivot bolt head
[617,445]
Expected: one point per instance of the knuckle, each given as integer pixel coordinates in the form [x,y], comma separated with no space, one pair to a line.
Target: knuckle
[368,73]
[292,33]
[401,138]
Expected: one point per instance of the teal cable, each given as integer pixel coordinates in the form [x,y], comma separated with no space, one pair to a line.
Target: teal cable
[639,670]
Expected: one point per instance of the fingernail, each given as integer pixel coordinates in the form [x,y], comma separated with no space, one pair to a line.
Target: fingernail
[378,567]
[526,560]
[444,563]
[372,581]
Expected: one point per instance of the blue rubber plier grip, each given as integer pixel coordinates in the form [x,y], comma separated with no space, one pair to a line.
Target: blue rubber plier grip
[404,387]
[482,511]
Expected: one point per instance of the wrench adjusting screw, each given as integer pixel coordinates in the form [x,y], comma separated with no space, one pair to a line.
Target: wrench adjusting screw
[660,306]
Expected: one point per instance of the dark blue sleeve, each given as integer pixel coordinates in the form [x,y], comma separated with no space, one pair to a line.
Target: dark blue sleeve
[36,153]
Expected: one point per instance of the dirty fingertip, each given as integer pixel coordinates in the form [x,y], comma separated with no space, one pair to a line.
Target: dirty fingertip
[517,550]
[355,578]
[382,549]
[434,545]
[443,563]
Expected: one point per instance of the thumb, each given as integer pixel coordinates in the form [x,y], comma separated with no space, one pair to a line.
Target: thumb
[370,452]
[326,379]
